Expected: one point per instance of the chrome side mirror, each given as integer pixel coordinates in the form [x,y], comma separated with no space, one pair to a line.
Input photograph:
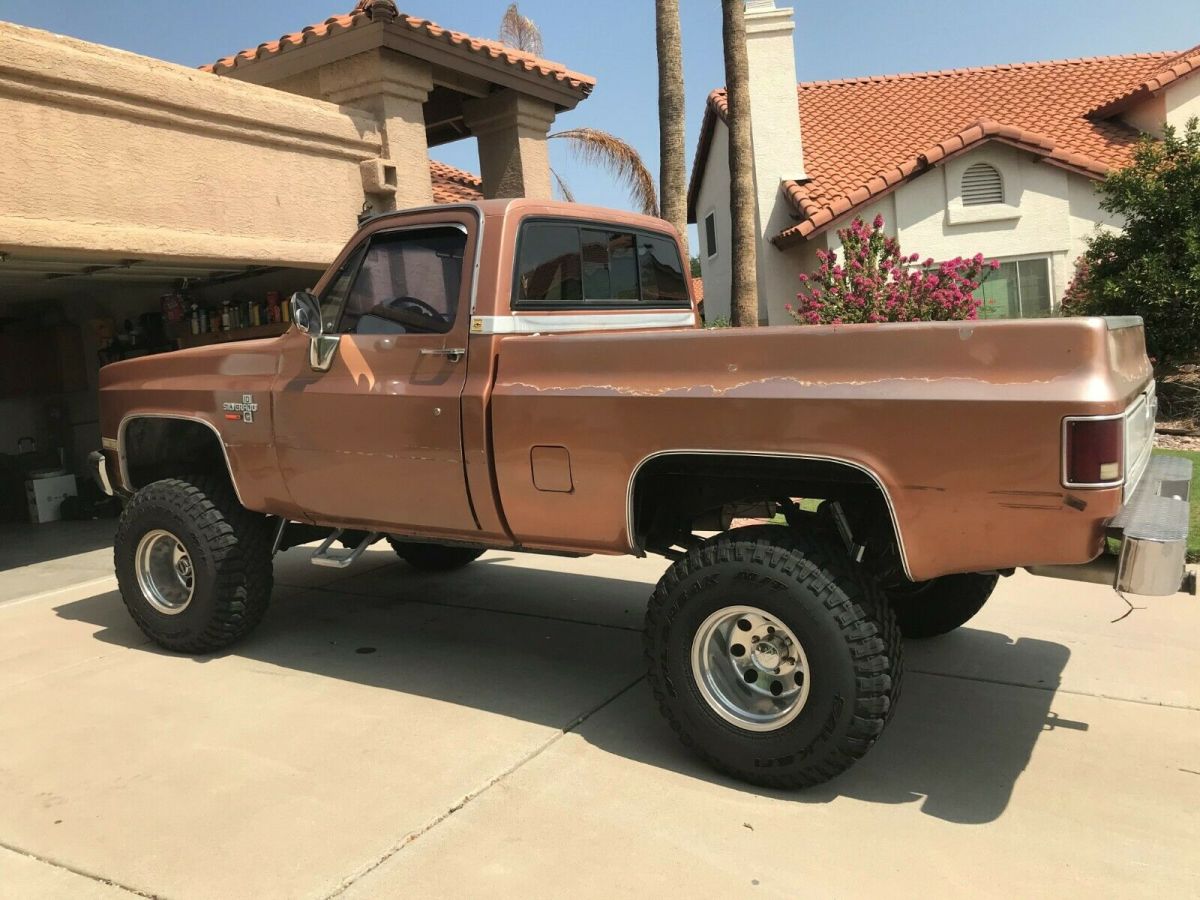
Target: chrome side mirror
[306,313]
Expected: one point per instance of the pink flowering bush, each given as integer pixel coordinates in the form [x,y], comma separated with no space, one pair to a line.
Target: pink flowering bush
[875,282]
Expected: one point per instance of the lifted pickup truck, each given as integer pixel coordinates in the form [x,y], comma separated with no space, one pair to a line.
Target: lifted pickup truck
[531,375]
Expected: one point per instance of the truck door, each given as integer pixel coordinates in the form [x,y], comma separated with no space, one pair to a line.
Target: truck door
[376,440]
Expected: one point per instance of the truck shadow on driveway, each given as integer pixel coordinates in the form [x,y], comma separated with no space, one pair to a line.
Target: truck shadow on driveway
[550,647]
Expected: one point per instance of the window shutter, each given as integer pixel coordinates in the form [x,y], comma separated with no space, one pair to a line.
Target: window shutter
[981,184]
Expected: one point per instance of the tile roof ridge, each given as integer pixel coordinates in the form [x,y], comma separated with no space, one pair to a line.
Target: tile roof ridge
[989,69]
[818,213]
[367,12]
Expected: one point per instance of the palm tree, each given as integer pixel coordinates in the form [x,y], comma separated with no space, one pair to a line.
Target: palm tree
[520,32]
[671,162]
[610,152]
[744,305]
[590,144]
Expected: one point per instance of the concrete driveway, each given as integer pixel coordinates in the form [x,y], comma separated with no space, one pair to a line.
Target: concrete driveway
[489,732]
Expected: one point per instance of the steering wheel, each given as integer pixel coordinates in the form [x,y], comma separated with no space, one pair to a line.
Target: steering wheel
[411,312]
[419,304]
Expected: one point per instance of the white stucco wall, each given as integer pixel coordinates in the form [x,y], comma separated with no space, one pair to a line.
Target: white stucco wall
[713,197]
[1051,213]
[1181,101]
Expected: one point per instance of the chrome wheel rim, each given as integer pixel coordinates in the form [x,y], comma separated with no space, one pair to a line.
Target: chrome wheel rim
[164,572]
[750,668]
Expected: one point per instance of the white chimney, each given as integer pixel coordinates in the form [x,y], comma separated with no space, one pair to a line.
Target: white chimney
[771,55]
[778,153]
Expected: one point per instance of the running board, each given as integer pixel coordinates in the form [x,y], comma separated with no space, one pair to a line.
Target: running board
[325,555]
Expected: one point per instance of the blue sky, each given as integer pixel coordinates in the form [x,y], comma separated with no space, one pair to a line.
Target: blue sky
[614,41]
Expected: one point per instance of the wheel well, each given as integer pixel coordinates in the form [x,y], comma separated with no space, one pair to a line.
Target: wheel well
[674,495]
[155,447]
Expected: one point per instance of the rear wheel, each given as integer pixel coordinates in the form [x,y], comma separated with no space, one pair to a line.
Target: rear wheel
[773,656]
[193,566]
[435,557]
[930,608]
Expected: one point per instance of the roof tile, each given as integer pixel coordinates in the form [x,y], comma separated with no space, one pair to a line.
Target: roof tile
[451,185]
[863,136]
[369,11]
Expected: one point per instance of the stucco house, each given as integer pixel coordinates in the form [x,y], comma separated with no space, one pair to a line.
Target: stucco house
[1002,160]
[131,188]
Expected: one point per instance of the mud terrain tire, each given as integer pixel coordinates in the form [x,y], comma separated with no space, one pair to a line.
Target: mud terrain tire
[228,553]
[813,592]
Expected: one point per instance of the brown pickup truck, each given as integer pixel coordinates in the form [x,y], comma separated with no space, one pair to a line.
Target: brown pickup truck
[530,375]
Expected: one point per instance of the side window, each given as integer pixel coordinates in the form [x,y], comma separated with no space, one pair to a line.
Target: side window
[565,265]
[710,233]
[409,282]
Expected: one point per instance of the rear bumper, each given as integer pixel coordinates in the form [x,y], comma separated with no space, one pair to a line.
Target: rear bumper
[1152,527]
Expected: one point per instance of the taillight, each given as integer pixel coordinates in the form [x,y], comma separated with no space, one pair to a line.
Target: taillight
[1094,452]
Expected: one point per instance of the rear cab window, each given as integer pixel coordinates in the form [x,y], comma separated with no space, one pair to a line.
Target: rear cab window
[564,264]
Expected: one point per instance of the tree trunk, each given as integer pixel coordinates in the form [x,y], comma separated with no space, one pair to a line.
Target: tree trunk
[672,178]
[744,300]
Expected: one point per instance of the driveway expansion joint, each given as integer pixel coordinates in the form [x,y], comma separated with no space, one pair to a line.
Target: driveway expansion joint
[82,873]
[413,836]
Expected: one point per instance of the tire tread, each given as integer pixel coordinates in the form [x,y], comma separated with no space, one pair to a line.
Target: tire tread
[859,608]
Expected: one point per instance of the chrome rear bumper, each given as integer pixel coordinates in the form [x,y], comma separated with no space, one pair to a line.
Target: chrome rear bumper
[1152,527]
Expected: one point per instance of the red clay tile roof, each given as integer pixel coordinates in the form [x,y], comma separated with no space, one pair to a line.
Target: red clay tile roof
[1172,70]
[698,288]
[864,136]
[369,11]
[451,185]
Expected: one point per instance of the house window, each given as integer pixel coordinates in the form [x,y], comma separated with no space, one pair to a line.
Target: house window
[569,265]
[710,233]
[982,184]
[1018,289]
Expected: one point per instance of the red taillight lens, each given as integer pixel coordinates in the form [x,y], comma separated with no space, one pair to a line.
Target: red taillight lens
[1094,451]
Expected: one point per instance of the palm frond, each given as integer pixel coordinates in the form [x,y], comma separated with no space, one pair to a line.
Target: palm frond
[598,147]
[520,32]
[563,188]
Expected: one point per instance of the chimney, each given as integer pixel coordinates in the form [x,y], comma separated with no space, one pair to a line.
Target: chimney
[778,152]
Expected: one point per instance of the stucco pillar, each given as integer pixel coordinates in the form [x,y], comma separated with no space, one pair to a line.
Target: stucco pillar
[393,88]
[511,130]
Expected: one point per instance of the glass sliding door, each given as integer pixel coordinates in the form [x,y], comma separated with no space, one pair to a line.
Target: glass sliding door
[1018,289]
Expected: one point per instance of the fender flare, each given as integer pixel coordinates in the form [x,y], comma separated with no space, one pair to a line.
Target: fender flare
[182,417]
[765,454]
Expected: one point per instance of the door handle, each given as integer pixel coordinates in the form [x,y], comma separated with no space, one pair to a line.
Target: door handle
[454,354]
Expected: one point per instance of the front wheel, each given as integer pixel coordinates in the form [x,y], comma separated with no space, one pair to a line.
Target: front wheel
[930,608]
[773,656]
[193,566]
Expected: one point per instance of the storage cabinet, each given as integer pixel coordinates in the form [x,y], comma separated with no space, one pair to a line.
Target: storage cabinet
[46,361]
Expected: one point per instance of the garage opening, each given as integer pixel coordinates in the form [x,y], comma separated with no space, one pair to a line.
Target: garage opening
[62,317]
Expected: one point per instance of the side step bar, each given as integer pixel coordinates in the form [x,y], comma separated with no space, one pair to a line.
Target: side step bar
[325,555]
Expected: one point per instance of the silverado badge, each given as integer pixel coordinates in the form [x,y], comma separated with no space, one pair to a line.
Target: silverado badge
[244,410]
